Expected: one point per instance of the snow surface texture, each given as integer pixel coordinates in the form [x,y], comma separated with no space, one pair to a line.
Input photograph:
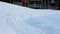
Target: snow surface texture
[21,20]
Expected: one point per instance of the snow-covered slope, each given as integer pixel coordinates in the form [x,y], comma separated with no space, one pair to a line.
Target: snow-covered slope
[21,20]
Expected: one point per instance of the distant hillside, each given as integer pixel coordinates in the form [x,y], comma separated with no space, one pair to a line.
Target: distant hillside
[37,4]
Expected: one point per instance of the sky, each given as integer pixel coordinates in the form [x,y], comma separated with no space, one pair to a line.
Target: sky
[22,20]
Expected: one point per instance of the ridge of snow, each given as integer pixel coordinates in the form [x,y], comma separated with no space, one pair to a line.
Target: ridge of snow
[14,19]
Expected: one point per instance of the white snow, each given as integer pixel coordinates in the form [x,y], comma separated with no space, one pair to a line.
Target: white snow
[22,20]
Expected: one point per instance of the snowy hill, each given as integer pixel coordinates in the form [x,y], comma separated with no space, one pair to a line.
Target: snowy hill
[21,20]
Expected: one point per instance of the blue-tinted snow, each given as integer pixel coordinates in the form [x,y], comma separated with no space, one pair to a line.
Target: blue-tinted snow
[21,20]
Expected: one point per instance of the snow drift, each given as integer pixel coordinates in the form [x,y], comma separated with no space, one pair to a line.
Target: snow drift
[21,20]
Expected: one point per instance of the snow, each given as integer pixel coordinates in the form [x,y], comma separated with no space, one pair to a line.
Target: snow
[22,20]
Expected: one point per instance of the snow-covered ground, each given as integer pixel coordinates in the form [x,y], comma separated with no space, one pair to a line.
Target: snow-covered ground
[21,20]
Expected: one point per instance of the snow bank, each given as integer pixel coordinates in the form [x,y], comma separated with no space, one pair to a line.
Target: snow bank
[21,20]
